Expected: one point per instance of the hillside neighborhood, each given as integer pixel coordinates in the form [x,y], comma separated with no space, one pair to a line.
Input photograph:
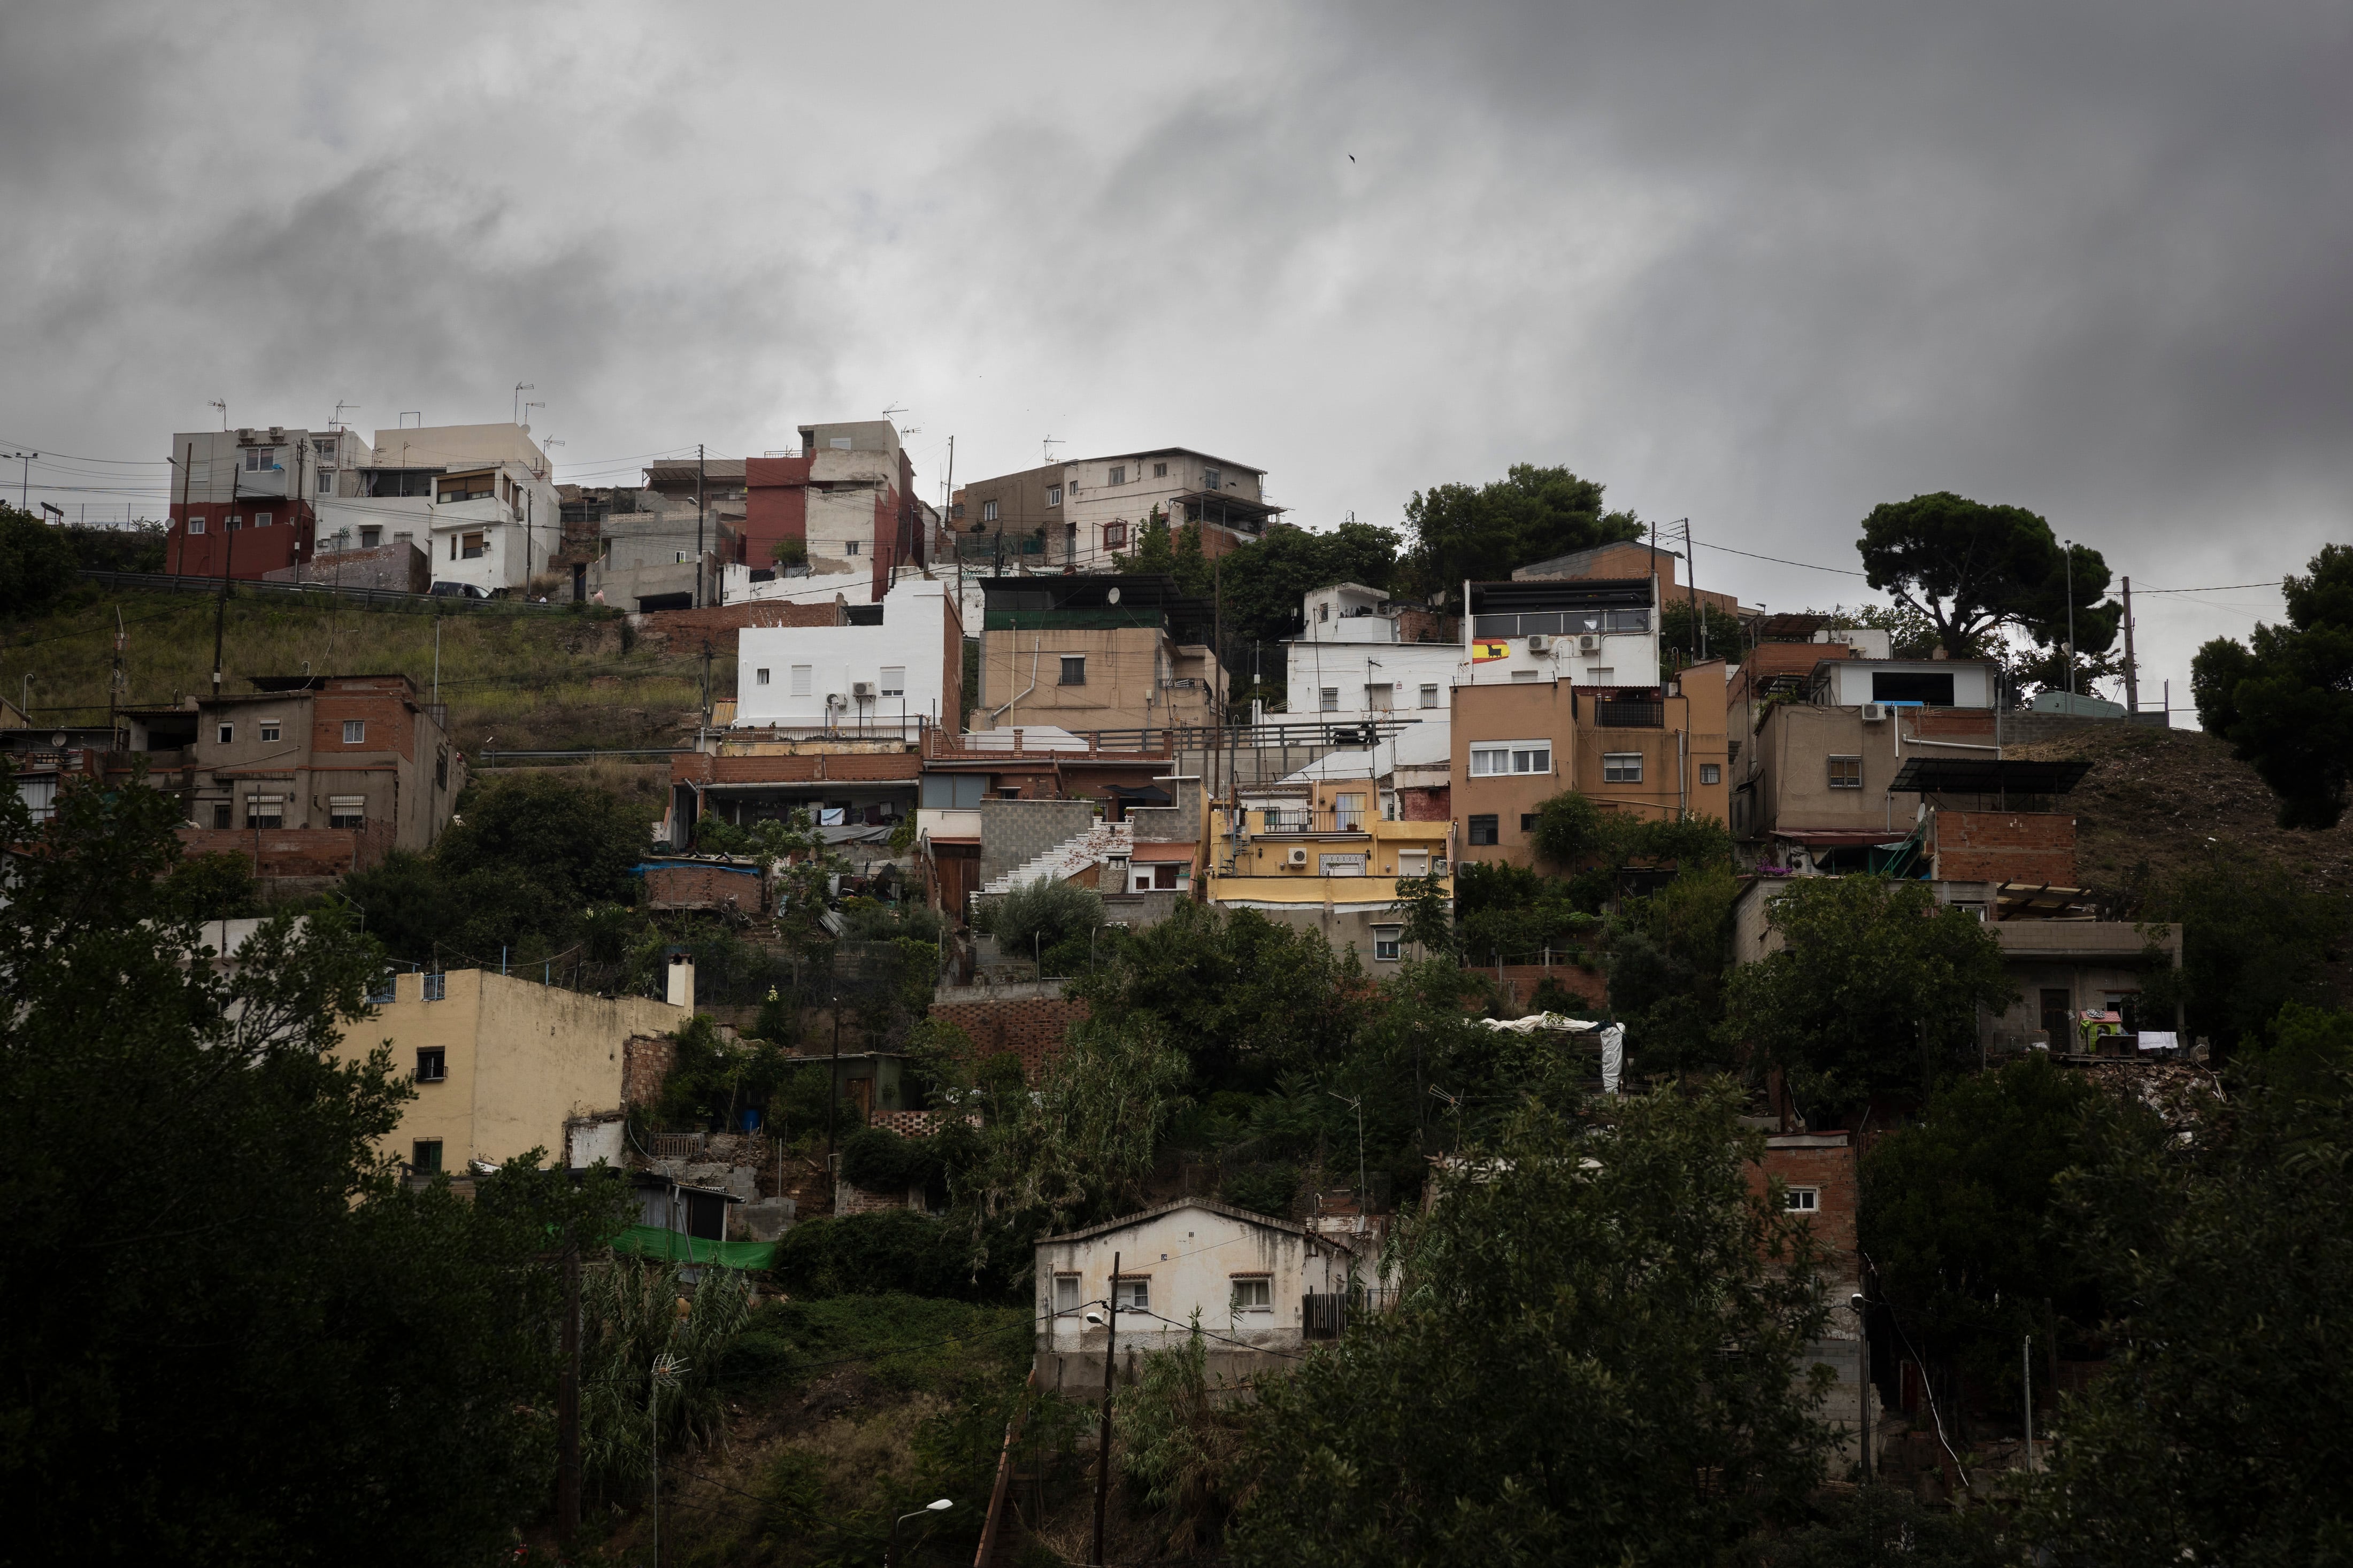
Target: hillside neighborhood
[1139,943]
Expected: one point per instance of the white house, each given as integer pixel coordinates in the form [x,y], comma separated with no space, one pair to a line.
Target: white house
[1596,632]
[1263,1287]
[1352,663]
[896,668]
[476,498]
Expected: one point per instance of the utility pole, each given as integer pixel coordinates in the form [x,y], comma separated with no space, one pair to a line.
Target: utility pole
[220,612]
[187,466]
[567,1401]
[2026,1372]
[2069,546]
[114,681]
[25,497]
[2132,672]
[1863,1353]
[698,555]
[1102,1459]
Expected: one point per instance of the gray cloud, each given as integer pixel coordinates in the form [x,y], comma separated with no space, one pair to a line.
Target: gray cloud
[1763,265]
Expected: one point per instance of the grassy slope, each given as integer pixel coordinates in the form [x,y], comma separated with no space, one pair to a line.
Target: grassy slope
[531,681]
[2158,797]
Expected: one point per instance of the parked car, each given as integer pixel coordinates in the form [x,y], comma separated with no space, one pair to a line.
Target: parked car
[457,590]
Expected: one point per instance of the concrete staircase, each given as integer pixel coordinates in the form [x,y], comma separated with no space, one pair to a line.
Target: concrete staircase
[1065,860]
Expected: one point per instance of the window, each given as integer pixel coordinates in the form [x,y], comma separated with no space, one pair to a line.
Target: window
[1115,536]
[849,547]
[1159,471]
[1902,685]
[269,729]
[839,443]
[433,987]
[1380,696]
[323,445]
[196,525]
[226,734]
[894,680]
[432,1065]
[236,522]
[1527,822]
[759,677]
[1329,700]
[1846,772]
[1074,669]
[1339,865]
[326,481]
[1628,621]
[1053,495]
[1118,475]
[1803,1200]
[1711,773]
[221,809]
[1388,944]
[988,511]
[441,769]
[1254,1295]
[347,811]
[1511,757]
[424,1156]
[1066,1293]
[801,673]
[1621,767]
[355,732]
[472,546]
[260,459]
[370,537]
[1430,696]
[1133,1295]
[1482,829]
[1211,479]
[261,518]
[265,811]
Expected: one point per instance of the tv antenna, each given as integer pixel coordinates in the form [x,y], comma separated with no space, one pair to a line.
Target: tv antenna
[520,388]
[216,403]
[337,422]
[893,411]
[1047,445]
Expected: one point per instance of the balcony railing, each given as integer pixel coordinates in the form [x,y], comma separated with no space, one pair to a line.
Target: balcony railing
[1279,820]
[1630,715]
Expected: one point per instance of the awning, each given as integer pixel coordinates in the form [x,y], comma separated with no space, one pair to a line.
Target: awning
[1148,854]
[1969,775]
[1843,837]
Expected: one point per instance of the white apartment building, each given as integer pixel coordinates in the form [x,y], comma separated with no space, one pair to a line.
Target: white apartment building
[476,498]
[1352,662]
[1597,633]
[896,668]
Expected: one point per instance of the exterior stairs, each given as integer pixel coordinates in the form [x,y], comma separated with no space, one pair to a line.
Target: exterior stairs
[1096,845]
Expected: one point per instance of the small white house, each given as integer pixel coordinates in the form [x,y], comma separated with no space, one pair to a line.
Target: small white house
[1263,1287]
[887,673]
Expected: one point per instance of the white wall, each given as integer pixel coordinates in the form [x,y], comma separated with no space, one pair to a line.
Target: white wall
[1350,667]
[916,635]
[1192,1255]
[1851,683]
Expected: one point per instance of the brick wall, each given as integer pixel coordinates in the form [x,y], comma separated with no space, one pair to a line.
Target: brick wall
[704,887]
[1425,804]
[2031,847]
[646,1061]
[1030,1028]
[684,631]
[1826,1163]
[848,1200]
[295,851]
[1976,723]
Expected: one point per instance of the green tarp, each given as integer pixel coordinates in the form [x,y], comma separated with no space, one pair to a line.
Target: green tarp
[674,1247]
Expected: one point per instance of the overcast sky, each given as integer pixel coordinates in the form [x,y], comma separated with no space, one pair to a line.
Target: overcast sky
[1761,264]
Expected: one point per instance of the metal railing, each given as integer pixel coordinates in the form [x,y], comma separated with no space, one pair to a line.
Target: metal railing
[1275,821]
[1623,715]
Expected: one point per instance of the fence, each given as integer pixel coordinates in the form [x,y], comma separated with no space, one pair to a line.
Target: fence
[391,599]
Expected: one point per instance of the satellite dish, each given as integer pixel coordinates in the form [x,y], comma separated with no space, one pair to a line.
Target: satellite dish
[57,739]
[1113,596]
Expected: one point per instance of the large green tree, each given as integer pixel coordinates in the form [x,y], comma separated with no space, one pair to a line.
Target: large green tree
[1598,1358]
[2223,1429]
[235,1337]
[1971,569]
[2285,699]
[37,563]
[1484,532]
[1873,990]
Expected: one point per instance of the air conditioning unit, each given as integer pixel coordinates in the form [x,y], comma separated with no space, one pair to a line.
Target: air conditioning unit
[1874,712]
[277,431]
[245,434]
[1589,642]
[836,699]
[1539,643]
[1296,857]
[862,689]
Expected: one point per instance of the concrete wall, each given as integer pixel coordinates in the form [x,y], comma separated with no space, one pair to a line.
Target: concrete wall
[1188,1259]
[920,636]
[1348,669]
[1014,831]
[522,1058]
[1128,674]
[1853,681]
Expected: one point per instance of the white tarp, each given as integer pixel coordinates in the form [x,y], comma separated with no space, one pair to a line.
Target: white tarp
[1613,1039]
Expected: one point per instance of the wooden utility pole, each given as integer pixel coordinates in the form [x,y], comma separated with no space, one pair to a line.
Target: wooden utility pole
[1102,1461]
[187,465]
[698,544]
[568,1403]
[2132,673]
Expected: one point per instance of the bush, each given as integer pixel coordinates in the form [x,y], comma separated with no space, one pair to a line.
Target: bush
[37,564]
[1045,914]
[880,1161]
[879,1253]
[1263,1189]
[213,886]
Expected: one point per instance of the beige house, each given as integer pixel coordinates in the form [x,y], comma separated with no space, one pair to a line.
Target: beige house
[1263,1287]
[501,1062]
[1095,653]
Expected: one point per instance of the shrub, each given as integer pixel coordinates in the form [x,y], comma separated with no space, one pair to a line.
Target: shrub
[1045,914]
[879,1253]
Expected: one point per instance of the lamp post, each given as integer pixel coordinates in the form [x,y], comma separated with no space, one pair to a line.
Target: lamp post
[891,1554]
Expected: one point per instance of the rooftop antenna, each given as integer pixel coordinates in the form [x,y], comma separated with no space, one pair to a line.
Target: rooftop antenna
[522,388]
[893,411]
[216,403]
[1046,446]
[527,408]
[337,422]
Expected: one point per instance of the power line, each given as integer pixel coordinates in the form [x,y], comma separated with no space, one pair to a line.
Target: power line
[1780,561]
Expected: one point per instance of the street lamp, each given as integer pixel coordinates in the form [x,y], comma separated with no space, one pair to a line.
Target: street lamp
[892,1555]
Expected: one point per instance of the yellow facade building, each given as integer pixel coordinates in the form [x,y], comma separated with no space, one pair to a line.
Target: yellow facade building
[1325,859]
[501,1063]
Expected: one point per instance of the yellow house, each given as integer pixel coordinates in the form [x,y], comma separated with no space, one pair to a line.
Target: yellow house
[501,1063]
[1324,858]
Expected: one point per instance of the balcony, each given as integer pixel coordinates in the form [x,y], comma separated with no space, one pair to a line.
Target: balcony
[1625,715]
[1310,821]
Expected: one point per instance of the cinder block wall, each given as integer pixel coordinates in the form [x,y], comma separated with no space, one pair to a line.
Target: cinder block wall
[1030,1028]
[1014,831]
